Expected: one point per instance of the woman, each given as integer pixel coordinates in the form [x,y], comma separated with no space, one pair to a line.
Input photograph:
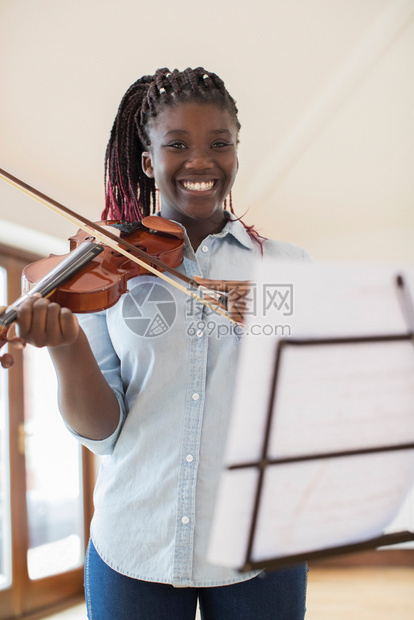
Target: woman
[149,382]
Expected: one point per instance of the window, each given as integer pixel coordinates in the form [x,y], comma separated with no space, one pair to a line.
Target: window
[46,478]
[5,517]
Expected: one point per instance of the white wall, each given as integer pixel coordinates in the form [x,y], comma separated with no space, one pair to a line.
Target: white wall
[325,91]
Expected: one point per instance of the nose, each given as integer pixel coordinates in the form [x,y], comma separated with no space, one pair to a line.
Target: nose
[199,160]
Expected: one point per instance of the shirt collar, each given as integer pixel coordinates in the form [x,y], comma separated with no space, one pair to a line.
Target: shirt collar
[233,227]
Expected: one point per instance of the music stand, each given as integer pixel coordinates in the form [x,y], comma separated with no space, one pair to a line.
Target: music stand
[266,461]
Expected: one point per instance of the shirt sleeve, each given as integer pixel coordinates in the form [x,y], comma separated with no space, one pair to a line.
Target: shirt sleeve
[282,250]
[95,327]
[306,257]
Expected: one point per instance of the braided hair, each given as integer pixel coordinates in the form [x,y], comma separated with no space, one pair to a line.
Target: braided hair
[129,194]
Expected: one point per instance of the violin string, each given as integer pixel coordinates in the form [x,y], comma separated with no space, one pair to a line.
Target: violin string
[112,241]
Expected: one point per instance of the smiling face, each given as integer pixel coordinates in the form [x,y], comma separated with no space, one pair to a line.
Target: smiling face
[193,159]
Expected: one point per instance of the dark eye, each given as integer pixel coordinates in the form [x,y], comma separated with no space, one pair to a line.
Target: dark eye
[177,145]
[220,144]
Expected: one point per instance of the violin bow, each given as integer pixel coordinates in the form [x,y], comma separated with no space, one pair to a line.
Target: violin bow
[116,243]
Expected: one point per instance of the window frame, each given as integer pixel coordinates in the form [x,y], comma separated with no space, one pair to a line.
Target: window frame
[26,595]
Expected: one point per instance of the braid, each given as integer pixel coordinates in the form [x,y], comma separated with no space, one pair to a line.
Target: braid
[129,194]
[127,187]
[252,232]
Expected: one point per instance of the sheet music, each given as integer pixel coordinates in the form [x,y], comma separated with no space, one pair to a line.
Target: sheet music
[328,398]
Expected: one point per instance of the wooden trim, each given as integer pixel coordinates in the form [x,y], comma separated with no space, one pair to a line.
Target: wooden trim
[26,595]
[54,609]
[385,557]
[8,252]
[41,593]
[19,536]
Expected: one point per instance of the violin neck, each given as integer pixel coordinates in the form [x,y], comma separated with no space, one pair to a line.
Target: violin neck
[67,267]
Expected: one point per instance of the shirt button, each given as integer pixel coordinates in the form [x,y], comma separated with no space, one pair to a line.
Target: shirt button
[195,396]
[185,520]
[204,248]
[189,458]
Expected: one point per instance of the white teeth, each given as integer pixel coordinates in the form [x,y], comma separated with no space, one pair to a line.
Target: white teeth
[198,187]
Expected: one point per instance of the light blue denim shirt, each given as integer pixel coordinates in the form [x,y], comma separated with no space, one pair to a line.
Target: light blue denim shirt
[171,362]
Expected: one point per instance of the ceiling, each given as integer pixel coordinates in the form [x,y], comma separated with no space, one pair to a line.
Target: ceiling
[325,92]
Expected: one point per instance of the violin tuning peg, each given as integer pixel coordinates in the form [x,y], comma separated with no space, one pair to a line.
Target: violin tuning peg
[6,360]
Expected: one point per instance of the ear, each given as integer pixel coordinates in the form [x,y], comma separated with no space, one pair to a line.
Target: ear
[146,163]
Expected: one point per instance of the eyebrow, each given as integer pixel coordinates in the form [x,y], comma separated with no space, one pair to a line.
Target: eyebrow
[184,131]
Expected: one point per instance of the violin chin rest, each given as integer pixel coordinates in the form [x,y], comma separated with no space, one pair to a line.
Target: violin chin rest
[162,225]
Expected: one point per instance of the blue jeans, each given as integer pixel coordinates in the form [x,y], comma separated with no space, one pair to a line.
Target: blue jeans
[271,596]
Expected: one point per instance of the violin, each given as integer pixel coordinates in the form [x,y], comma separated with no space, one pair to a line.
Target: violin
[103,279]
[103,256]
